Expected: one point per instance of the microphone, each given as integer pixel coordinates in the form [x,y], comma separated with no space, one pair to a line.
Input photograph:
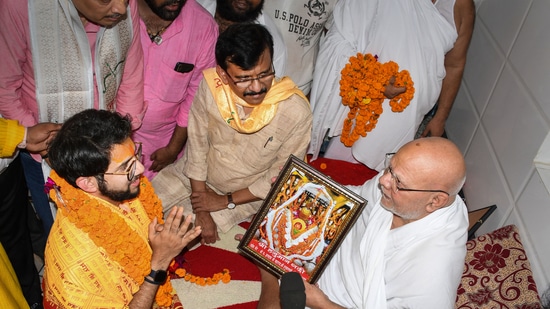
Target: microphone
[292,291]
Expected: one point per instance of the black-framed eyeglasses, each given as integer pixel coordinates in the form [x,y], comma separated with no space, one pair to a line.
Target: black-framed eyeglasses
[396,182]
[263,78]
[131,170]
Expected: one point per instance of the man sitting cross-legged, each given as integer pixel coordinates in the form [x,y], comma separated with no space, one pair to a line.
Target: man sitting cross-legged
[407,248]
[243,125]
[108,247]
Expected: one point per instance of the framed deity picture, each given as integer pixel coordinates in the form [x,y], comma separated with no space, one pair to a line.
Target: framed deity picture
[302,222]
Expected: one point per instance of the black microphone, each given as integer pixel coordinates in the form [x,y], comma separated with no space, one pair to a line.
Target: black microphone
[292,291]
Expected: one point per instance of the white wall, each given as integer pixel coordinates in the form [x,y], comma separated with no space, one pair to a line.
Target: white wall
[501,117]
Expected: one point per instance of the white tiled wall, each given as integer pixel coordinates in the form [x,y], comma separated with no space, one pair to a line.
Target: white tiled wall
[502,115]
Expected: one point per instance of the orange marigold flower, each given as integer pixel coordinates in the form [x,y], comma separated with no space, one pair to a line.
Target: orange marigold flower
[202,281]
[180,272]
[107,229]
[362,86]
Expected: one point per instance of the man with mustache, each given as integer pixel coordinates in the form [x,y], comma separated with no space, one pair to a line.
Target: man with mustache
[228,12]
[109,246]
[178,39]
[243,125]
[62,57]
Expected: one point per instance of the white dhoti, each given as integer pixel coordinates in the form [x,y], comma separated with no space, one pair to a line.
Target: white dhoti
[411,33]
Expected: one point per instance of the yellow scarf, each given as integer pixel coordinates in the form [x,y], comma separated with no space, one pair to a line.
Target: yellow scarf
[262,114]
[10,290]
[101,234]
[11,134]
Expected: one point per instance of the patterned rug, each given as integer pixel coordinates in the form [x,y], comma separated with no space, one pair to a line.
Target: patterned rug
[243,291]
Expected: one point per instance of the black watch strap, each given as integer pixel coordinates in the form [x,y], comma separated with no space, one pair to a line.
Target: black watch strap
[151,281]
[158,277]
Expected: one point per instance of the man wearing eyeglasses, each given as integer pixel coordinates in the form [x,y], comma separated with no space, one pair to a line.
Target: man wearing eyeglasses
[60,57]
[407,248]
[243,125]
[109,246]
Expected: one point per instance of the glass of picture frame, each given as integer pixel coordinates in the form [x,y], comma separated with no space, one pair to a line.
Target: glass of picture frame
[302,222]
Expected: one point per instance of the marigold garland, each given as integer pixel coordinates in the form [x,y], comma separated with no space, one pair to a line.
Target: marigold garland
[177,271]
[114,235]
[362,89]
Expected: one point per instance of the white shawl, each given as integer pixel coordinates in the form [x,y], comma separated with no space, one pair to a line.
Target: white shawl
[418,265]
[63,61]
[410,32]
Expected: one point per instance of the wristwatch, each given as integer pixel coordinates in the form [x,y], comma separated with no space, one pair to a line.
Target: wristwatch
[230,203]
[159,276]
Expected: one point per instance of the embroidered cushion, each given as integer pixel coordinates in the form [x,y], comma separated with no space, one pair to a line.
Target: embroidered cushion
[497,273]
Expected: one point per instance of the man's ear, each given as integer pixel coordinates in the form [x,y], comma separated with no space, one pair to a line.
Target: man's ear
[439,200]
[222,74]
[87,184]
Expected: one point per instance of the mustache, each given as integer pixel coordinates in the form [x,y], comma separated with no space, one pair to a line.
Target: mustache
[262,91]
[167,3]
[115,16]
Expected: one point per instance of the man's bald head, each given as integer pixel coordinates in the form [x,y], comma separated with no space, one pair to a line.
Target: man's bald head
[438,163]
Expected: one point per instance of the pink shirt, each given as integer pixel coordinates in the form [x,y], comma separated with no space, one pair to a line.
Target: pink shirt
[17,86]
[191,38]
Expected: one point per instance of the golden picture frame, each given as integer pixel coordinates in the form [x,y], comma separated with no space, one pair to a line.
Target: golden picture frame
[302,222]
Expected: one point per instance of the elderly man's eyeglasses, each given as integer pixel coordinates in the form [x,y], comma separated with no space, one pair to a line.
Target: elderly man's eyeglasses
[131,170]
[263,78]
[396,182]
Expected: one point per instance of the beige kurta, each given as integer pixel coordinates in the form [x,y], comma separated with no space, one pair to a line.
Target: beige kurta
[228,160]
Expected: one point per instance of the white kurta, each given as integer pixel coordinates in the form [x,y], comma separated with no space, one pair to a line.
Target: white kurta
[418,265]
[410,32]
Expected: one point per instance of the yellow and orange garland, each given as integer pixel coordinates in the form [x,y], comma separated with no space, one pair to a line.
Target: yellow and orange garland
[84,212]
[362,90]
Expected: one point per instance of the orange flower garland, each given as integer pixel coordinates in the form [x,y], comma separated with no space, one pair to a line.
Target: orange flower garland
[113,235]
[177,271]
[222,276]
[362,89]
